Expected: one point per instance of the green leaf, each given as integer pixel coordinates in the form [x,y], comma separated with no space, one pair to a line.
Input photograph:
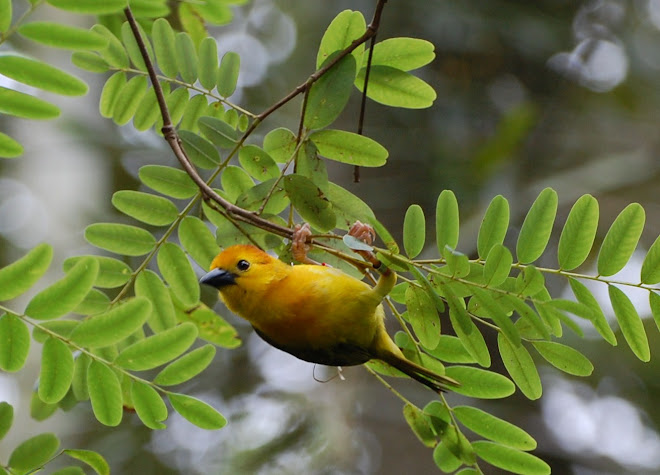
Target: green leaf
[446,221]
[480,383]
[59,327]
[168,181]
[150,8]
[598,319]
[537,227]
[310,202]
[207,67]
[132,48]
[395,88]
[34,452]
[420,424]
[110,93]
[186,57]
[178,273]
[347,147]
[91,62]
[414,231]
[157,349]
[197,412]
[6,418]
[280,144]
[348,207]
[526,312]
[451,349]
[235,181]
[211,326]
[423,316]
[328,96]
[630,323]
[147,112]
[90,6]
[510,459]
[520,366]
[5,15]
[41,75]
[18,277]
[465,329]
[186,367]
[114,54]
[258,163]
[145,207]
[530,282]
[14,343]
[219,132]
[200,151]
[405,54]
[128,99]
[120,238]
[114,325]
[197,107]
[105,394]
[228,74]
[112,272]
[253,198]
[149,405]
[579,233]
[65,294]
[621,240]
[498,265]
[79,381]
[62,36]
[494,428]
[564,358]
[162,36]
[162,316]
[492,309]
[650,273]
[342,31]
[177,101]
[94,302]
[198,241]
[26,106]
[56,371]
[9,148]
[493,226]
[91,458]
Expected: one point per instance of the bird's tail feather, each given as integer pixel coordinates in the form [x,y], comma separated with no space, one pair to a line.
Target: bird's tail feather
[428,378]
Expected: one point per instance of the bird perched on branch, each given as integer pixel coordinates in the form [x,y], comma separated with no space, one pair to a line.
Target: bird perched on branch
[316,313]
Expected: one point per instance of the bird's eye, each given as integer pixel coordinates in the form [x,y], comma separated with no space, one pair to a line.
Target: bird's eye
[243,265]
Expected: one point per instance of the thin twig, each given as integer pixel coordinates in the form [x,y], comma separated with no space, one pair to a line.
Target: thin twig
[363,104]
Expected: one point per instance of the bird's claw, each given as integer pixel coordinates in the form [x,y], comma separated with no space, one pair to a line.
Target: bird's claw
[300,243]
[363,232]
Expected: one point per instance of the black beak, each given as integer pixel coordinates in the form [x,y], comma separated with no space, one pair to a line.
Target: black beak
[218,278]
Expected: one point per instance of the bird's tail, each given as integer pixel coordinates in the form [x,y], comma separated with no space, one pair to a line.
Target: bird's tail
[428,378]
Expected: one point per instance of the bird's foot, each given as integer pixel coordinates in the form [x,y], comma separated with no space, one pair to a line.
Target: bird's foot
[300,243]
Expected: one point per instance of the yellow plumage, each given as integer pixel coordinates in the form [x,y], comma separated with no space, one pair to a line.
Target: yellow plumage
[316,313]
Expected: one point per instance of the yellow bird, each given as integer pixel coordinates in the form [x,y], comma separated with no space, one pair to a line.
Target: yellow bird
[316,313]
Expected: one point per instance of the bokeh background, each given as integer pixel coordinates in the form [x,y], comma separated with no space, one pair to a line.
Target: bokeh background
[560,93]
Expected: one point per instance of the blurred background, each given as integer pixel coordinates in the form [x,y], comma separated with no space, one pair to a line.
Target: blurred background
[560,93]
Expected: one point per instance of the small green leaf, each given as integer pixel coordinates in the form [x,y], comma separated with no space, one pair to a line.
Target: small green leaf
[348,207]
[526,312]
[235,181]
[494,428]
[149,405]
[520,366]
[120,238]
[343,30]
[162,36]
[200,151]
[14,343]
[218,131]
[420,424]
[150,8]
[6,418]
[132,47]
[579,233]
[207,67]
[445,460]
[328,96]
[537,227]
[26,106]
[62,36]
[492,309]
[630,323]
[186,367]
[56,371]
[94,302]
[414,231]
[90,6]
[598,319]
[253,198]
[510,459]
[621,240]
[227,77]
[145,207]
[5,15]
[79,381]
[168,181]
[423,317]
[91,62]
[498,265]
[446,221]
[395,88]
[405,54]
[280,144]
[112,272]
[41,75]
[530,282]
[18,277]
[258,163]
[198,241]
[178,273]
[347,147]
[110,93]
[91,458]
[128,99]
[34,452]
[105,394]
[186,57]
[650,273]
[114,54]
[65,294]
[310,202]
[211,326]
[9,148]
[177,101]
[59,327]
[158,349]
[451,349]
[197,107]
[480,383]
[114,325]
[564,358]
[162,316]
[197,412]
[465,329]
